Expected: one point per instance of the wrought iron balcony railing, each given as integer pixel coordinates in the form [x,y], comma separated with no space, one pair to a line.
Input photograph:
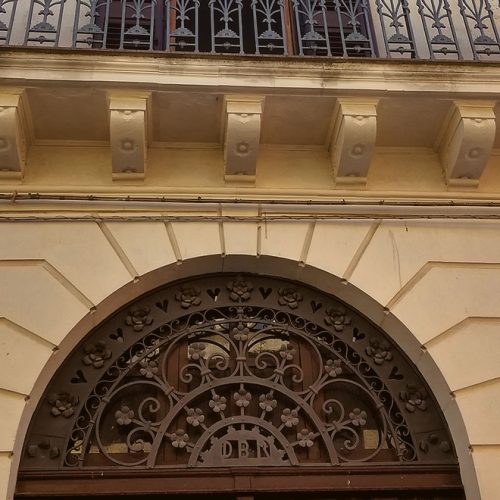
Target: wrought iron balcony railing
[416,29]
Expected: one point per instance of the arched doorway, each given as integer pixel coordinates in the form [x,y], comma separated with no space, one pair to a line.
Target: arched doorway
[239,385]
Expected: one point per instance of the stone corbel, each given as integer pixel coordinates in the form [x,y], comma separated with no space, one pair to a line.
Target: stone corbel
[14,136]
[128,134]
[353,139]
[243,116]
[466,142]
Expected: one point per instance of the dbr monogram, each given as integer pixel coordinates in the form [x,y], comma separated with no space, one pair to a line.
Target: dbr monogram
[243,447]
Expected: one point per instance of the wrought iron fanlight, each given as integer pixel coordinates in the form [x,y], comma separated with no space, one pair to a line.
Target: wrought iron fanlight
[236,371]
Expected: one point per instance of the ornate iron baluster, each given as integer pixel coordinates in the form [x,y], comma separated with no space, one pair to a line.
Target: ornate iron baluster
[354,23]
[91,25]
[227,32]
[141,34]
[312,27]
[266,15]
[39,28]
[438,27]
[7,14]
[396,27]
[183,14]
[481,27]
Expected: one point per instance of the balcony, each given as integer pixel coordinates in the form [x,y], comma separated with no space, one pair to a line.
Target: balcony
[416,29]
[250,93]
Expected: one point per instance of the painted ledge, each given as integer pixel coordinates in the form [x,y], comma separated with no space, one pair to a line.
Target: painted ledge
[330,76]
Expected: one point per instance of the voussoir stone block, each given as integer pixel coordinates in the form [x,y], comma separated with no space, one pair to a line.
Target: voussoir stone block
[22,357]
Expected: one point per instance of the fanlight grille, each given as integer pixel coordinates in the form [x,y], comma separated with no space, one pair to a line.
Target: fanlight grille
[236,371]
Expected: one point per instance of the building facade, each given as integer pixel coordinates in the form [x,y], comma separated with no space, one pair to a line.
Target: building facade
[300,152]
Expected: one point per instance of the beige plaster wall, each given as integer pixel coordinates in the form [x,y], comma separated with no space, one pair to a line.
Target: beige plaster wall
[306,171]
[440,278]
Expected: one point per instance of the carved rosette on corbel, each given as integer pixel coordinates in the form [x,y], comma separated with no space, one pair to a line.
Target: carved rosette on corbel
[243,116]
[14,133]
[354,133]
[466,141]
[128,134]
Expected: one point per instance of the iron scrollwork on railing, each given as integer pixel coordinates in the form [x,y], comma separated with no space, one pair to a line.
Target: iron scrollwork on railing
[269,23]
[481,26]
[183,25]
[7,13]
[226,25]
[354,28]
[397,27]
[236,371]
[435,29]
[91,23]
[438,27]
[44,21]
[312,27]
[128,24]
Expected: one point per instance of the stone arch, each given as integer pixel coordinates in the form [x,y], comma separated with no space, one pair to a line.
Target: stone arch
[280,268]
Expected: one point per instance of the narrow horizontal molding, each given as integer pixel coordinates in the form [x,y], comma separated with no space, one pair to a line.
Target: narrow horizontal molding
[186,145]
[409,150]
[262,195]
[176,197]
[265,218]
[296,75]
[293,147]
[59,143]
[75,143]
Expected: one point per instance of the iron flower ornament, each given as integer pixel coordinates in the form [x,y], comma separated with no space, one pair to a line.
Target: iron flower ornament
[217,403]
[305,438]
[239,289]
[414,398]
[96,354]
[179,438]
[188,296]
[124,415]
[138,318]
[379,351]
[337,318]
[289,297]
[63,404]
[290,417]
[333,367]
[195,417]
[149,368]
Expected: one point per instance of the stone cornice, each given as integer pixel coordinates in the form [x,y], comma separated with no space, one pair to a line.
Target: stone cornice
[292,75]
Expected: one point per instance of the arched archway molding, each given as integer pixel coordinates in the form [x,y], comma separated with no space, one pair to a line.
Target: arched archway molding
[279,268]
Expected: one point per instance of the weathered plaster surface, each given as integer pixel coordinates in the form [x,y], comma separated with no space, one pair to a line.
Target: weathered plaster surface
[450,308]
